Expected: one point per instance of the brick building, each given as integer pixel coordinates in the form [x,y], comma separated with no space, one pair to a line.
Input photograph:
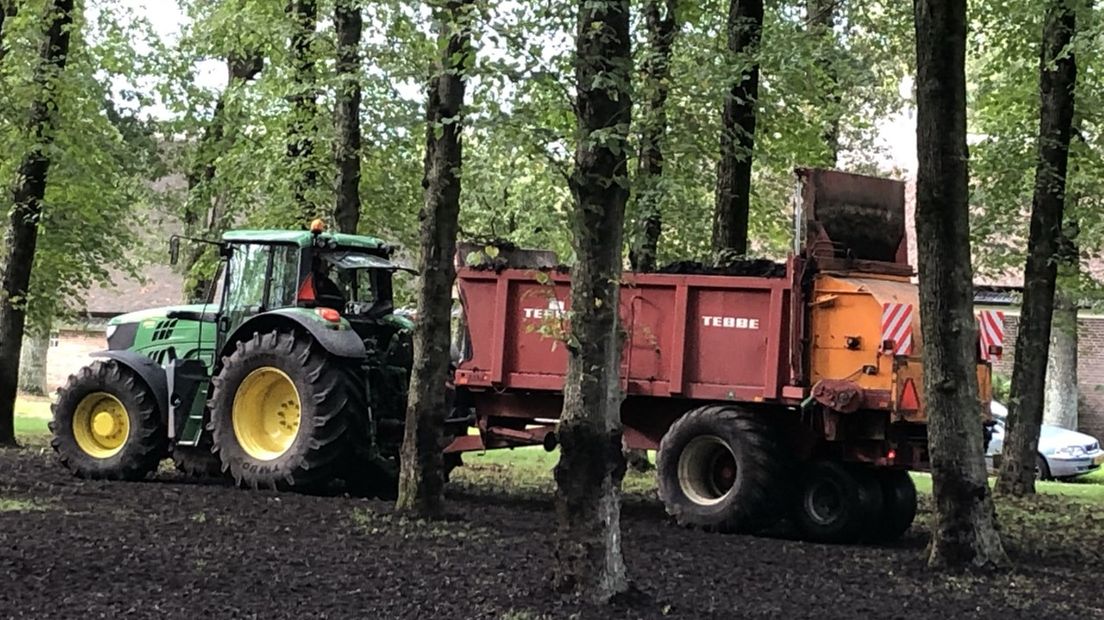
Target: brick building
[1001,293]
[1090,361]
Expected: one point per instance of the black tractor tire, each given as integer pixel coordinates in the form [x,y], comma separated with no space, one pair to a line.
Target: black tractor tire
[723,469]
[837,503]
[132,438]
[898,505]
[318,399]
[197,461]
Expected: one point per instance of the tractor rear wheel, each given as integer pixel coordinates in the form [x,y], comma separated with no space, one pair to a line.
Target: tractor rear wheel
[280,412]
[723,469]
[898,505]
[106,424]
[836,503]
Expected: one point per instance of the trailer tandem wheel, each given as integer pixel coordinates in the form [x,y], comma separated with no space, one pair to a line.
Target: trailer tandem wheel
[898,505]
[724,469]
[837,503]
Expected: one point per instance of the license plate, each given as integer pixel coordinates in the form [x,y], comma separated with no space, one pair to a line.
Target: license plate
[1098,459]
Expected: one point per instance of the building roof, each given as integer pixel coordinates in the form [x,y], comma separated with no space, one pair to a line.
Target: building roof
[162,287]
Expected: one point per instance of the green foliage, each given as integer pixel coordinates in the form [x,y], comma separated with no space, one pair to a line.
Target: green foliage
[102,158]
[1004,115]
[134,109]
[521,130]
[1002,387]
[792,111]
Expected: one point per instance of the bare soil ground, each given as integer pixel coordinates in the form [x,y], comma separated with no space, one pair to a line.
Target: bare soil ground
[180,549]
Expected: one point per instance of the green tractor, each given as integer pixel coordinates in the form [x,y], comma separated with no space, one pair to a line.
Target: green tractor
[294,373]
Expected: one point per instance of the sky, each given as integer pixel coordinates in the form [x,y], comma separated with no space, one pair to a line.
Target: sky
[897,133]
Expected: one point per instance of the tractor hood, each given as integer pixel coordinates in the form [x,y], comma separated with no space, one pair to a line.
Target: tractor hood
[186,329]
[158,313]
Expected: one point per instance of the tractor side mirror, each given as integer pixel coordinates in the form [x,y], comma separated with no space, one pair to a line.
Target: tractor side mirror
[174,250]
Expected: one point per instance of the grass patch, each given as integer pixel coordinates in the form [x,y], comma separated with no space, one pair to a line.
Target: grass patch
[530,469]
[1089,488]
[371,523]
[20,505]
[33,407]
[32,415]
[1063,520]
[522,614]
[30,427]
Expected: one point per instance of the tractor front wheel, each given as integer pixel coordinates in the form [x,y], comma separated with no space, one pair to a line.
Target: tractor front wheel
[106,424]
[280,412]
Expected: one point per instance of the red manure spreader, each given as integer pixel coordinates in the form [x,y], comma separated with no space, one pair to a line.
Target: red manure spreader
[767,390]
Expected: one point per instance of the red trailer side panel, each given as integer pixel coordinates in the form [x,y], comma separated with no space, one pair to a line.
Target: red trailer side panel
[692,336]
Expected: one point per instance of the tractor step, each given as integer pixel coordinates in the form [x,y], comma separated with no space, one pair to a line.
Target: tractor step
[187,383]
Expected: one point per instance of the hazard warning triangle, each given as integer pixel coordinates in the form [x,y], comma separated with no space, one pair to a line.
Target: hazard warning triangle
[910,399]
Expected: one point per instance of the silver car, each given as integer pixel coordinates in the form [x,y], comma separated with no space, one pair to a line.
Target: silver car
[1062,453]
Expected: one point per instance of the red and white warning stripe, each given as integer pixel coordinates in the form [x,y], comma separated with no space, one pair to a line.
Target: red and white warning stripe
[991,334]
[897,328]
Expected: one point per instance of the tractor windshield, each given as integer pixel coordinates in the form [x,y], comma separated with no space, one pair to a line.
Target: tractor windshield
[357,282]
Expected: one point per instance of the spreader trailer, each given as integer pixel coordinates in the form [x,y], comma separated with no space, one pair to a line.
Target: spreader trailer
[793,391]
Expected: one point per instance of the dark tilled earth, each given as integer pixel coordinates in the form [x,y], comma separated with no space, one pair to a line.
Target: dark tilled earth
[180,549]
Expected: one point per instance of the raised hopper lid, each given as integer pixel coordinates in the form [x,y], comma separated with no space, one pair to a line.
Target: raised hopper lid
[852,216]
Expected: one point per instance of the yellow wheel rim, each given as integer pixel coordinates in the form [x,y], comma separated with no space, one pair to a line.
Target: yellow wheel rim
[101,425]
[266,413]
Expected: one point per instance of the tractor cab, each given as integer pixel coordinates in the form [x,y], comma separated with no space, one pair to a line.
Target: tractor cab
[341,278]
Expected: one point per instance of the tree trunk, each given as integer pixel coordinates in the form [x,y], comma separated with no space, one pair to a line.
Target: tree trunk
[821,21]
[964,529]
[662,27]
[29,188]
[1058,75]
[203,215]
[304,113]
[591,466]
[733,195]
[421,481]
[32,361]
[1060,401]
[348,22]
